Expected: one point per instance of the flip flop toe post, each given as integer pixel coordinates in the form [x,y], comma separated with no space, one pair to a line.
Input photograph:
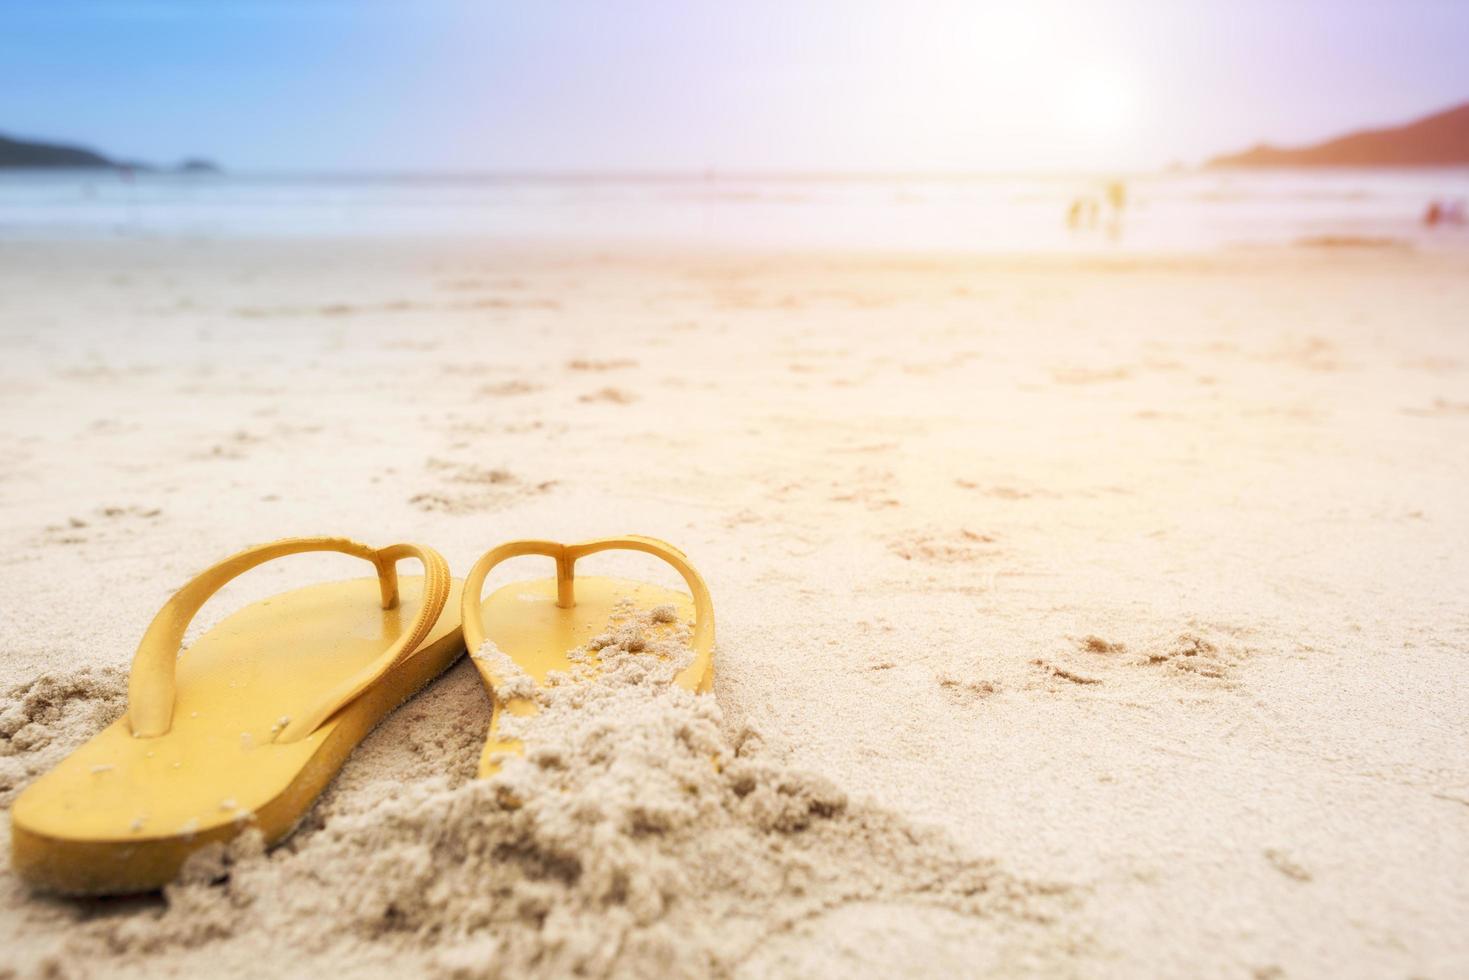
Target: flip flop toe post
[538,624]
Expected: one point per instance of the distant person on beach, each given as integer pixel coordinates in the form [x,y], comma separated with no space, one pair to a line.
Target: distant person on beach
[1117,202]
[1449,212]
[1074,213]
[1082,213]
[1086,211]
[1117,196]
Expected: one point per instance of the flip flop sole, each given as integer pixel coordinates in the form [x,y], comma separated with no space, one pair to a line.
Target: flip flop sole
[121,814]
[524,622]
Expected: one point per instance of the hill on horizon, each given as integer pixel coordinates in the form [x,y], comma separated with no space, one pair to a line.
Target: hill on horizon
[1439,140]
[18,154]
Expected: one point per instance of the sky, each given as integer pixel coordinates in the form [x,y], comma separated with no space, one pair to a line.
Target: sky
[737,86]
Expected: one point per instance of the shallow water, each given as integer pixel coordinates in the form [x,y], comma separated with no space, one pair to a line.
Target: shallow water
[1175,211]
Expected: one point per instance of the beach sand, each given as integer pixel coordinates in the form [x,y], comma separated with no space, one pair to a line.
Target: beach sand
[1076,616]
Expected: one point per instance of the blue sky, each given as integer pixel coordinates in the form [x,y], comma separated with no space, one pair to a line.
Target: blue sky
[811,85]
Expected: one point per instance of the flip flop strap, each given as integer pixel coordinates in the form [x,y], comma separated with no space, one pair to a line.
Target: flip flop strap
[566,556]
[151,681]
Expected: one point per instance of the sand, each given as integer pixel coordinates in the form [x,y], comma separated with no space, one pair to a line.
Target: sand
[1076,616]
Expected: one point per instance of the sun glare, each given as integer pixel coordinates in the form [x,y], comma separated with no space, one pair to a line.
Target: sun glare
[1101,104]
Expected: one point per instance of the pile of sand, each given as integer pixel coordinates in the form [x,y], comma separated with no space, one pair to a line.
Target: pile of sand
[637,836]
[45,718]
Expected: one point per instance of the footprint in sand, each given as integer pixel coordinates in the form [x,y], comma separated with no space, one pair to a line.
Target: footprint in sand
[615,396]
[474,489]
[1064,672]
[967,690]
[945,548]
[590,364]
[507,389]
[1093,655]
[1286,866]
[104,524]
[1192,653]
[1088,376]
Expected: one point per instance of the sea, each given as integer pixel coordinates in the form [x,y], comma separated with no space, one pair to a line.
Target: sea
[1173,211]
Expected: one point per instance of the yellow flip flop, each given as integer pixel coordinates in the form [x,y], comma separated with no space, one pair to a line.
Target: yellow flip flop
[538,624]
[243,729]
